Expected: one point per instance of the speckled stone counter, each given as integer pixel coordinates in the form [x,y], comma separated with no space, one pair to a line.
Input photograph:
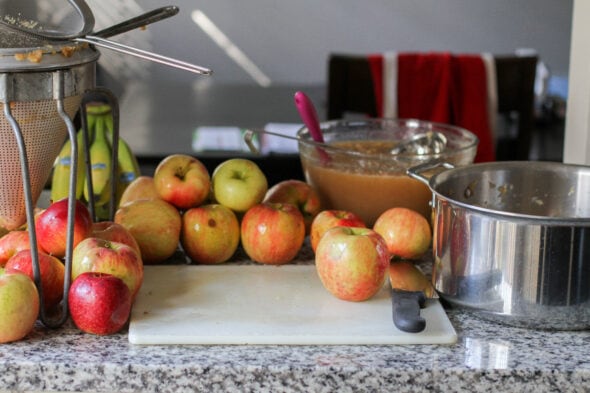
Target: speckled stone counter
[487,357]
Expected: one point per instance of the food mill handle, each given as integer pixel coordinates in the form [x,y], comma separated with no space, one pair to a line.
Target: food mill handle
[144,19]
[415,171]
[143,54]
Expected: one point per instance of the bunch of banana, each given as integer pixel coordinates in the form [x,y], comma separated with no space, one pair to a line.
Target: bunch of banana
[60,181]
[100,130]
[100,165]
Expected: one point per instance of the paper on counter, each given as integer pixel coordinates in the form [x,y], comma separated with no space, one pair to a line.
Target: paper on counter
[219,138]
[276,144]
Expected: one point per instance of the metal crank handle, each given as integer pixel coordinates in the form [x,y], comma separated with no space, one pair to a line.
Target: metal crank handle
[143,54]
[139,21]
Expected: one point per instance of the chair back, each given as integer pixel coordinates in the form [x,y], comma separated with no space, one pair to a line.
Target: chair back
[350,90]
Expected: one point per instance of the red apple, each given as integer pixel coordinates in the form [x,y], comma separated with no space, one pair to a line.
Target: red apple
[13,242]
[109,230]
[141,187]
[182,180]
[52,274]
[52,226]
[406,232]
[272,233]
[19,305]
[327,219]
[352,262]
[99,303]
[239,184]
[210,233]
[155,224]
[103,256]
[298,193]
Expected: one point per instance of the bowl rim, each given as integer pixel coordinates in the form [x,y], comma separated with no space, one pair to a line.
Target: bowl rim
[304,137]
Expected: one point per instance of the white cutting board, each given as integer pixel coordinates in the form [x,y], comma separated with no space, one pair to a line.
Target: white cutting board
[260,304]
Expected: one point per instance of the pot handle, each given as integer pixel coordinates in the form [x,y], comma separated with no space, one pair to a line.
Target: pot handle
[415,171]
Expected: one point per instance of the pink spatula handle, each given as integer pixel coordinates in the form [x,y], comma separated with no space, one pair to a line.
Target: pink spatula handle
[309,116]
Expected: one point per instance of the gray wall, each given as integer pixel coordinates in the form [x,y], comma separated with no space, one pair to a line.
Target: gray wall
[290,40]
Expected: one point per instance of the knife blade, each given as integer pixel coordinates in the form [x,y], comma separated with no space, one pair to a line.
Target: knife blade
[409,290]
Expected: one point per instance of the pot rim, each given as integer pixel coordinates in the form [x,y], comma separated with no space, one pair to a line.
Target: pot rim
[52,57]
[435,181]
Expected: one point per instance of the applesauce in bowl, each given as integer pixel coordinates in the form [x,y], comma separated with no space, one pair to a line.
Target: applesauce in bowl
[357,169]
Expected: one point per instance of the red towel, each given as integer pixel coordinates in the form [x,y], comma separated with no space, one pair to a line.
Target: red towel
[469,102]
[443,88]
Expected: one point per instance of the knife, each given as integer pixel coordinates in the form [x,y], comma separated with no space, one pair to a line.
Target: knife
[409,290]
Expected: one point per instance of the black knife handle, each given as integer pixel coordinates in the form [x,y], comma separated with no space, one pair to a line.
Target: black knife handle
[406,310]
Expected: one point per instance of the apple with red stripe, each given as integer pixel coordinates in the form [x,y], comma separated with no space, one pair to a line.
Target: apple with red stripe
[327,219]
[272,233]
[298,193]
[352,262]
[102,256]
[182,180]
[52,272]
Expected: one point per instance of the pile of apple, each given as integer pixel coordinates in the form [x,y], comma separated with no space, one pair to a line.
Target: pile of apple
[209,216]
[107,272]
[353,261]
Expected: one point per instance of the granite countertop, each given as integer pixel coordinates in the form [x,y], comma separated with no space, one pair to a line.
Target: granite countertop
[487,357]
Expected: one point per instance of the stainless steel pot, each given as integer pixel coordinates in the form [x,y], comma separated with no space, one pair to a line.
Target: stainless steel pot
[512,241]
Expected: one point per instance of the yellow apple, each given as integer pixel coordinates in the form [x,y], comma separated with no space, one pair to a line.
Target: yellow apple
[19,305]
[210,233]
[141,187]
[239,184]
[155,224]
[406,232]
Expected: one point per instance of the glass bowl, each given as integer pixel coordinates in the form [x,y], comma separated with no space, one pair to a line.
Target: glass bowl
[362,169]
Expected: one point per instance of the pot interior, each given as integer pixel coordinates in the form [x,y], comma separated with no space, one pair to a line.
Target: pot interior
[547,190]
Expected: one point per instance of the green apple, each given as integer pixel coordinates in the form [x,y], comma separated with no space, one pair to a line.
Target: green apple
[19,305]
[239,184]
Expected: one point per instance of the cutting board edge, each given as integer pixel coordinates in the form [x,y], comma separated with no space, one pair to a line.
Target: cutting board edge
[278,341]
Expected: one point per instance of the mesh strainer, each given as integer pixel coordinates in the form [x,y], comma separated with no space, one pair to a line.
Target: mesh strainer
[43,132]
[35,90]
